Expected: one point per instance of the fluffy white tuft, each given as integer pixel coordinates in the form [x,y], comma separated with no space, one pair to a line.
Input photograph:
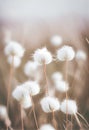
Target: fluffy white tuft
[50,104]
[26,102]
[61,86]
[81,55]
[47,127]
[66,53]
[3,112]
[32,87]
[42,56]
[16,61]
[56,40]
[22,95]
[14,48]
[69,106]
[57,76]
[30,68]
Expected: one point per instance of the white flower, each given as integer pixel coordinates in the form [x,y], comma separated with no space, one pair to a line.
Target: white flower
[57,76]
[47,127]
[56,40]
[22,96]
[32,87]
[50,104]
[42,56]
[14,48]
[3,112]
[16,61]
[26,102]
[61,86]
[81,55]
[66,53]
[30,68]
[69,106]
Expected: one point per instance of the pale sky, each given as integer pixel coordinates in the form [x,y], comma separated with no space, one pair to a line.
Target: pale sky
[17,9]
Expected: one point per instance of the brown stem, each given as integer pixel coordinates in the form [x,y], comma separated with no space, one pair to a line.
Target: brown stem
[71,121]
[77,119]
[9,85]
[54,121]
[46,89]
[22,124]
[83,118]
[35,118]
[66,69]
[7,128]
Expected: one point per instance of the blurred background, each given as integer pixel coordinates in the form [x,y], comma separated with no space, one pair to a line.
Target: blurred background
[33,23]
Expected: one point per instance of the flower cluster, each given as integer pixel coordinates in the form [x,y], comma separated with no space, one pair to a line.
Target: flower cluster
[15,52]
[24,92]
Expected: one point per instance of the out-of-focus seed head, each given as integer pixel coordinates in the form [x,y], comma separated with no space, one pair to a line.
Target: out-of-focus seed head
[69,106]
[66,53]
[42,56]
[14,48]
[50,104]
[56,40]
[47,127]
[32,87]
[15,60]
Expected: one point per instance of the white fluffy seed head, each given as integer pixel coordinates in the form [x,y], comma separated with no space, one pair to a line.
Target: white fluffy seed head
[26,102]
[61,86]
[14,48]
[30,68]
[57,76]
[22,96]
[56,40]
[47,127]
[81,55]
[42,56]
[15,60]
[3,112]
[50,104]
[69,106]
[32,87]
[66,53]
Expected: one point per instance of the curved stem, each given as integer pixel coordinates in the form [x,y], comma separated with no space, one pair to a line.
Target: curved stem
[83,118]
[78,121]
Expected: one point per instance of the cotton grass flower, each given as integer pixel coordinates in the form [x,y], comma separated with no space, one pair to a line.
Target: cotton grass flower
[42,56]
[22,96]
[16,61]
[32,87]
[56,40]
[66,53]
[3,112]
[69,106]
[47,127]
[50,104]
[56,76]
[14,49]
[4,116]
[61,86]
[81,55]
[30,68]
